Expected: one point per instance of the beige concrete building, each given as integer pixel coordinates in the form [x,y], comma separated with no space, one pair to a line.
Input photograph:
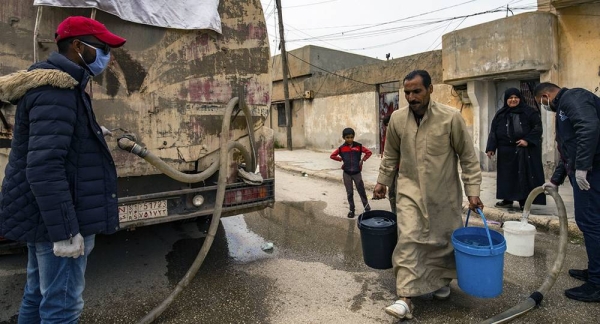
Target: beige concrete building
[303,64]
[558,43]
[331,90]
[325,99]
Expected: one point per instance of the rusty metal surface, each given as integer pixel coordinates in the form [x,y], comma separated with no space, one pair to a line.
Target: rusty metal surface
[169,87]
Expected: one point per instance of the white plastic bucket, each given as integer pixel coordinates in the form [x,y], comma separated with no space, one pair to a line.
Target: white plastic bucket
[520,238]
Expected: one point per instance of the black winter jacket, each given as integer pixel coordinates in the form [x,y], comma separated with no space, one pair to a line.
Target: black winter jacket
[60,179]
[577,131]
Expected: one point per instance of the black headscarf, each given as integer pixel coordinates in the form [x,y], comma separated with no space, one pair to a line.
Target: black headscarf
[510,92]
[511,115]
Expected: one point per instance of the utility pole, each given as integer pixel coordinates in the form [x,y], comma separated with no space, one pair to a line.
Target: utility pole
[286,91]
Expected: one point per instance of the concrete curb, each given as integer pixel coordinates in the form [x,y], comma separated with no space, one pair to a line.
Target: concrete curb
[542,223]
[323,175]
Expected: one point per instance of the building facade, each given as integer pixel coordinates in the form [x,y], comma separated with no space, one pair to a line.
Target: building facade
[331,90]
[558,44]
[325,100]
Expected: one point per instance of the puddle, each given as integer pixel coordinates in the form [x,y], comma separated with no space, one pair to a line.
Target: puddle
[302,231]
[298,230]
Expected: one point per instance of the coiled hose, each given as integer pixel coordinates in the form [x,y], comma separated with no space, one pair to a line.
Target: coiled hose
[128,143]
[536,297]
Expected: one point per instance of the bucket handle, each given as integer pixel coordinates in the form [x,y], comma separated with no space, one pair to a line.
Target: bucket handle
[487,230]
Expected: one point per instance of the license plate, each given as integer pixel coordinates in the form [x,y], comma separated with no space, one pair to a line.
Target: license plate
[145,210]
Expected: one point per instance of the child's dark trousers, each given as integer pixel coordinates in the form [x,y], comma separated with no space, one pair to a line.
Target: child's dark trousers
[360,187]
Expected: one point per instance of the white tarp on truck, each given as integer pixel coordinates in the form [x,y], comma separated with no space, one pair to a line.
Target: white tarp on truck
[179,14]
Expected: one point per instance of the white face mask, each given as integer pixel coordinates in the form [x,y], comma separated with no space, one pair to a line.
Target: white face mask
[546,105]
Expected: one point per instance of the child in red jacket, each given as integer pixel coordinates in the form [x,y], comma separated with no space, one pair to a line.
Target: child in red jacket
[350,154]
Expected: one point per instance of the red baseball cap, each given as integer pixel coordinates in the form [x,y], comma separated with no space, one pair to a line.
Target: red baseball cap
[82,26]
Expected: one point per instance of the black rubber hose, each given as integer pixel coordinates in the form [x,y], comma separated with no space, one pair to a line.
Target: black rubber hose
[537,296]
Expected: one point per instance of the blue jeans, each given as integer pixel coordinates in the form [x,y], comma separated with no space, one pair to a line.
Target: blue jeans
[587,216]
[54,288]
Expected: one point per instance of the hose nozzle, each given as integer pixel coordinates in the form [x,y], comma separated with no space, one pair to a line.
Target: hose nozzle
[127,143]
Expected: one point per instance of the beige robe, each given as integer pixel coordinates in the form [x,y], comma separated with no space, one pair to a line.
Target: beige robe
[429,197]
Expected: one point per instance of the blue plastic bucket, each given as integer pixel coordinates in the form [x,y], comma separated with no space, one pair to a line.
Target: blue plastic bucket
[479,254]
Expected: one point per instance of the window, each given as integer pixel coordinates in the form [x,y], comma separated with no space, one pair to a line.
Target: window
[527,92]
[281,114]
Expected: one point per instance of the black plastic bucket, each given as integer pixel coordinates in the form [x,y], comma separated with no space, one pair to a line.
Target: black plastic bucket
[378,236]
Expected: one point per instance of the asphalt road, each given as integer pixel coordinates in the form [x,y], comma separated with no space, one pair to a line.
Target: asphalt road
[313,274]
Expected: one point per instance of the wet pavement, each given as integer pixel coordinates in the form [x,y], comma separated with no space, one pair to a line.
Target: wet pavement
[313,274]
[317,164]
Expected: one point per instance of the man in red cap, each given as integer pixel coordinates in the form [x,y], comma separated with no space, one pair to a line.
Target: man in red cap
[60,183]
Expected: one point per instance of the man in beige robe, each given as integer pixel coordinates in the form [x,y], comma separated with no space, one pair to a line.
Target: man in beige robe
[427,140]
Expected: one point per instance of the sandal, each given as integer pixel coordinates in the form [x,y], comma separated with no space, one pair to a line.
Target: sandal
[504,203]
[400,309]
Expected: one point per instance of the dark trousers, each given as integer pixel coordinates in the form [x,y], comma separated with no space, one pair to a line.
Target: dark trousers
[587,216]
[360,187]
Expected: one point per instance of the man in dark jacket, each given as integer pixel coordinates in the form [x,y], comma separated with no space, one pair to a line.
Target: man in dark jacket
[578,137]
[59,188]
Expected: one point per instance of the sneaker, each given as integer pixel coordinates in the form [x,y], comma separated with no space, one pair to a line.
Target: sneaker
[442,293]
[400,309]
[588,292]
[579,274]
[351,214]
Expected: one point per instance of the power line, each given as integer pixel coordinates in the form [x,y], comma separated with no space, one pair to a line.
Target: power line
[364,34]
[332,73]
[369,32]
[414,23]
[455,28]
[398,20]
[443,31]
[398,41]
[296,29]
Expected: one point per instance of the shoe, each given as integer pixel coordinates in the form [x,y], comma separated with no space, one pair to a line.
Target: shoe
[351,214]
[588,292]
[400,309]
[442,293]
[504,204]
[579,274]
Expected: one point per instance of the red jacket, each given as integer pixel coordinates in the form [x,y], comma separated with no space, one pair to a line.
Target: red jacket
[351,156]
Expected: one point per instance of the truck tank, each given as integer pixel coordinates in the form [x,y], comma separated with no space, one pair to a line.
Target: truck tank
[170,88]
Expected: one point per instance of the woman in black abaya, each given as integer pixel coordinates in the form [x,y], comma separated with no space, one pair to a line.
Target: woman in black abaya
[516,136]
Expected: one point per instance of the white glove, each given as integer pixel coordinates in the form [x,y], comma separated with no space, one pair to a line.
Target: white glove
[105,131]
[580,177]
[549,185]
[70,248]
